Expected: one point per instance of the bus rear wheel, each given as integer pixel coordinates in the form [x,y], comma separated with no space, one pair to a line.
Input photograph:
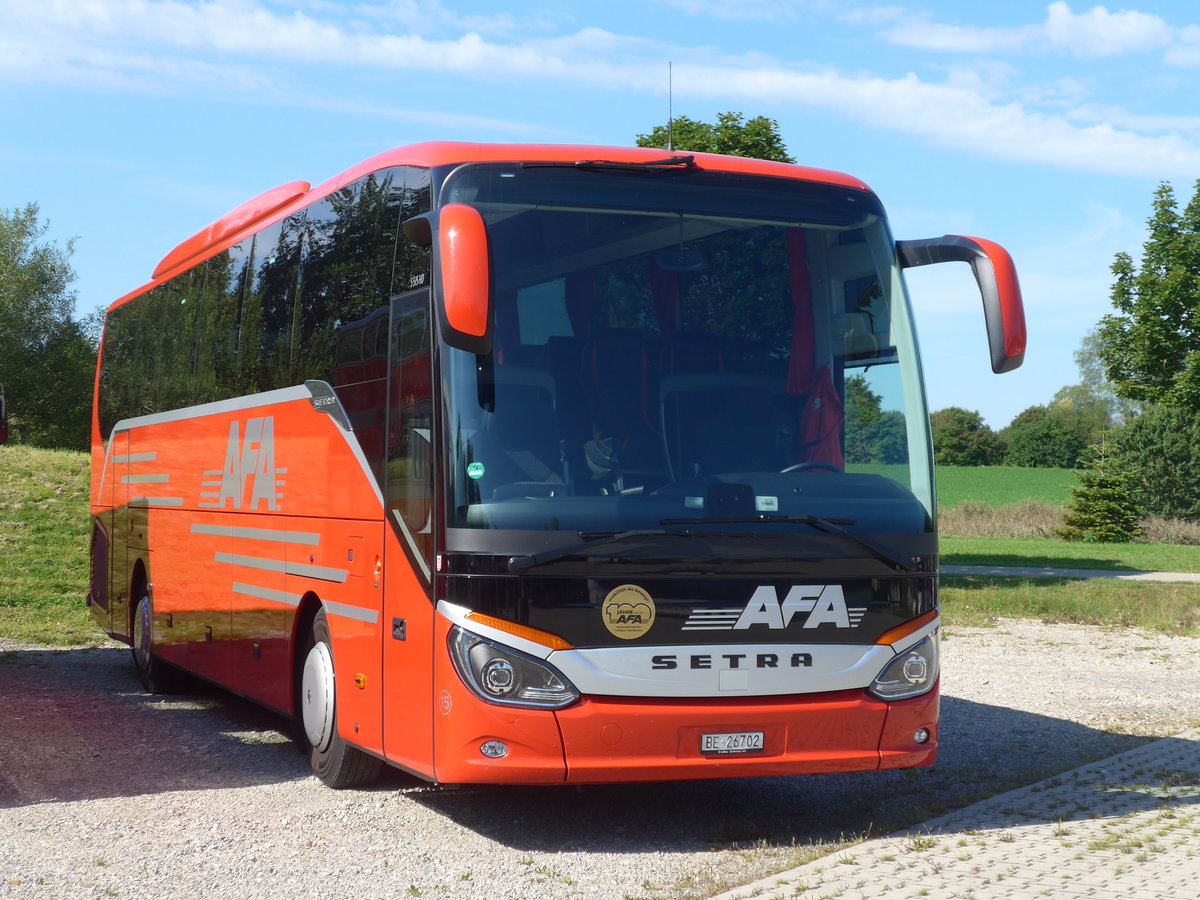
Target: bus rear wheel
[334,761]
[157,677]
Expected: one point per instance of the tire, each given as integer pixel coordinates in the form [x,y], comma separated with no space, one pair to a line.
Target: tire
[157,677]
[332,760]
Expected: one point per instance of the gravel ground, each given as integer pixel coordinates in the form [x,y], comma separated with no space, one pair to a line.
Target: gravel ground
[107,792]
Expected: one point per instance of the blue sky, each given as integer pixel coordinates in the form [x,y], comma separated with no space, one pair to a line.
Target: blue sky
[1044,126]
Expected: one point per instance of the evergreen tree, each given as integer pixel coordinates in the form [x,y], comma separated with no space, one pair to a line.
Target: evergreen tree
[1158,454]
[1101,509]
[1151,346]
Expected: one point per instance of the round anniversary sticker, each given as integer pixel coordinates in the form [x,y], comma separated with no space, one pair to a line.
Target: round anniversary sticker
[628,612]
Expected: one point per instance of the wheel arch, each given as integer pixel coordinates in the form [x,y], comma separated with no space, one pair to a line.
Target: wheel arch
[310,605]
[139,581]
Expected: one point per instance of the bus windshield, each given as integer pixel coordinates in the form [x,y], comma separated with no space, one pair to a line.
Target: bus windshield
[674,345]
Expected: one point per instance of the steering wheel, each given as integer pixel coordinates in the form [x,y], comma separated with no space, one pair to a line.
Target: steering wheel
[809,466]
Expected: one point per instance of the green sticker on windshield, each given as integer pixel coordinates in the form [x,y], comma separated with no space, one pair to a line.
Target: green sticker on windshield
[475,470]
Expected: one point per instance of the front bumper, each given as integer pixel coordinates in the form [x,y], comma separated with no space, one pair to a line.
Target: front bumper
[604,739]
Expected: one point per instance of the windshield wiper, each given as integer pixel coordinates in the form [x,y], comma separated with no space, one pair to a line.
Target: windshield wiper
[521,563]
[670,162]
[828,526]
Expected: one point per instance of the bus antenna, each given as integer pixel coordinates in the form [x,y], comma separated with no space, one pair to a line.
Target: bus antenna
[670,111]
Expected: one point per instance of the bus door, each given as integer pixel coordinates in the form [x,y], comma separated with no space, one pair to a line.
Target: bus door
[408,622]
[122,530]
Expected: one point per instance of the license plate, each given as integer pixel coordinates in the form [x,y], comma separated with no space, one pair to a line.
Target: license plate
[732,742]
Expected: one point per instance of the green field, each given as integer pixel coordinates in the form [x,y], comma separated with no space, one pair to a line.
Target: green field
[1002,485]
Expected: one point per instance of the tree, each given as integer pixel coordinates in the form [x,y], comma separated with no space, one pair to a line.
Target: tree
[1096,397]
[47,358]
[1101,509]
[1151,345]
[1043,436]
[872,435]
[962,438]
[1158,454]
[732,135]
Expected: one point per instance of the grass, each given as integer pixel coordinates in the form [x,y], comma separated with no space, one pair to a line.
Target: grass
[971,551]
[1002,485]
[44,530]
[1168,608]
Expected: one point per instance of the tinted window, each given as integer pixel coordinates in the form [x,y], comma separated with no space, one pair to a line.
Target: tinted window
[270,311]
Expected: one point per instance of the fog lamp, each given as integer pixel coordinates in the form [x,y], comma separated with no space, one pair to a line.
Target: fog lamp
[921,735]
[494,749]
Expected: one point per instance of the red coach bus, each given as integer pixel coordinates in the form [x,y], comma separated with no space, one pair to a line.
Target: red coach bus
[536,464]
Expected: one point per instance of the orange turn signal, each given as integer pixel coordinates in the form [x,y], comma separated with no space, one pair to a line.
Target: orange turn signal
[900,632]
[545,638]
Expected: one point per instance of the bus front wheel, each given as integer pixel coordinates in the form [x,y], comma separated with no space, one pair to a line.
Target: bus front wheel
[157,676]
[333,760]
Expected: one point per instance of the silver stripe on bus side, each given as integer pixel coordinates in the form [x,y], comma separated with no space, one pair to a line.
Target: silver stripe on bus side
[134,457]
[156,501]
[235,404]
[251,401]
[307,538]
[262,593]
[357,613]
[320,573]
[282,395]
[145,479]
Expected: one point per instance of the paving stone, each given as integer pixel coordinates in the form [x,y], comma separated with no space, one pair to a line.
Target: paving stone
[1124,828]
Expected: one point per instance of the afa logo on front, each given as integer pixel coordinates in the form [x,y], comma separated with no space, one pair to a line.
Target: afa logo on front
[628,612]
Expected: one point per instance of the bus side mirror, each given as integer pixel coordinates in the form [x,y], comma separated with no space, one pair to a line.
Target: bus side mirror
[458,236]
[1003,309]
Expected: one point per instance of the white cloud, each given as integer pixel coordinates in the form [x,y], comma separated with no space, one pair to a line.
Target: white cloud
[1186,51]
[761,10]
[163,41]
[1095,33]
[1140,122]
[955,117]
[872,16]
[925,34]
[1098,32]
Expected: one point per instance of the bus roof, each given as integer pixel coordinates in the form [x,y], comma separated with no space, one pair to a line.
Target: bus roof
[281,201]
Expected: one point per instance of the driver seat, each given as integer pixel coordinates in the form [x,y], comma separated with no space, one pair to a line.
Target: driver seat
[747,433]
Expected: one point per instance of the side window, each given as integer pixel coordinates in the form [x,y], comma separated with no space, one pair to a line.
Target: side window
[409,192]
[266,338]
[410,436]
[121,386]
[215,341]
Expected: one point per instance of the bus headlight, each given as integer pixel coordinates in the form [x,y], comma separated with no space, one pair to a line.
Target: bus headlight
[910,674]
[500,674]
